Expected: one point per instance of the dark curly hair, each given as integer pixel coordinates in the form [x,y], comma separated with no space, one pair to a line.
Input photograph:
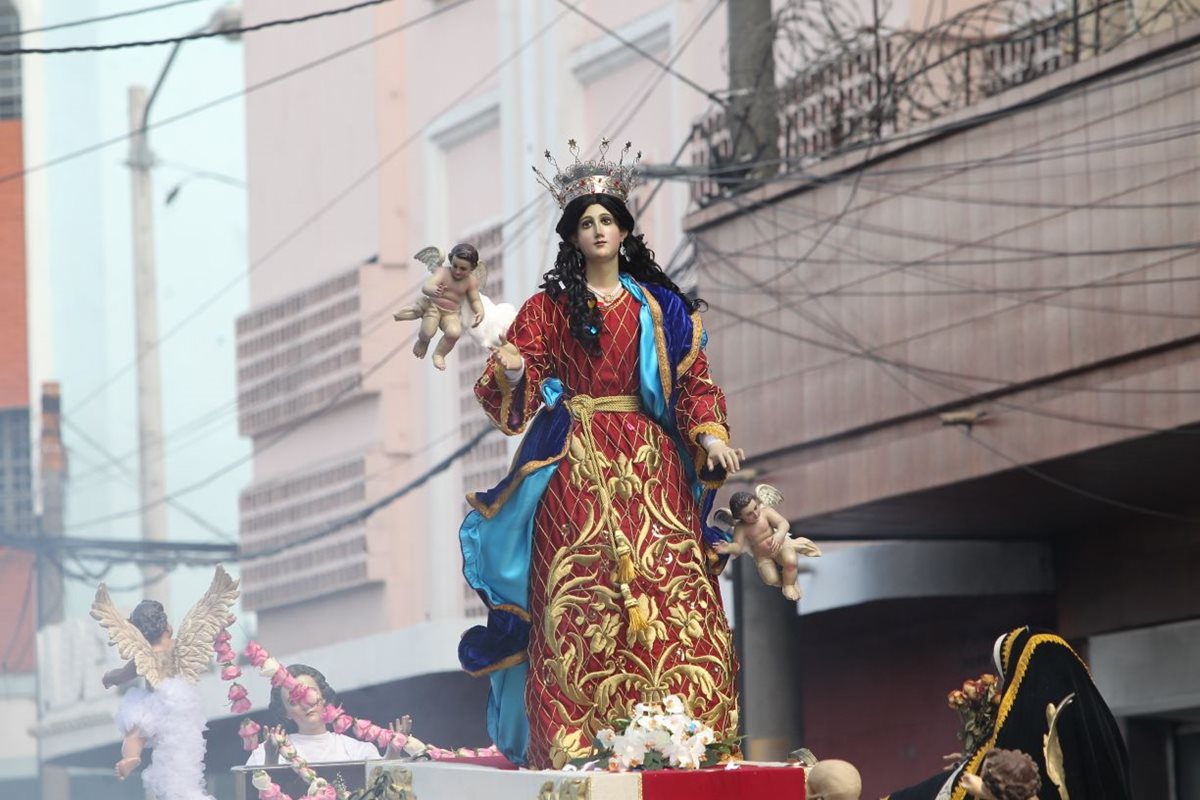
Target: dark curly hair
[738,502]
[568,277]
[466,252]
[1010,775]
[150,618]
[277,707]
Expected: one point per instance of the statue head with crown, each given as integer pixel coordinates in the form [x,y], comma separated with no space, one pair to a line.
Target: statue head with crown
[591,177]
[593,194]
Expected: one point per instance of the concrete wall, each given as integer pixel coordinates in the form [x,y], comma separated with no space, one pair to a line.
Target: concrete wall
[1039,265]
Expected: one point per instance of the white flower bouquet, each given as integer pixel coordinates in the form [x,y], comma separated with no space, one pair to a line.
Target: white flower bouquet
[659,737]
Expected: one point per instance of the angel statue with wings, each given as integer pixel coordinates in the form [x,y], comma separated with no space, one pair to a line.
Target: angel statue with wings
[169,715]
[757,526]
[443,294]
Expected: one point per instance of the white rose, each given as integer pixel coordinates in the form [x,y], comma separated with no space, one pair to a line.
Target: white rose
[261,780]
[269,667]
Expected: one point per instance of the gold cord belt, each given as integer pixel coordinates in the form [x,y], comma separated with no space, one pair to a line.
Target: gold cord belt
[583,408]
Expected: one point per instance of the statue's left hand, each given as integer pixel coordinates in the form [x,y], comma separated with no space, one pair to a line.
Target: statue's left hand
[724,456]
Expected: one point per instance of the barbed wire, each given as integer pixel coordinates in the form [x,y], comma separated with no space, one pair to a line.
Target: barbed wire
[846,80]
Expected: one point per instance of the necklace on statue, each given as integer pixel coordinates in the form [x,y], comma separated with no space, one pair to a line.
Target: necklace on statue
[606,297]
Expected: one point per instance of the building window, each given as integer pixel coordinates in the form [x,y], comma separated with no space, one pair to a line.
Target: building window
[10,66]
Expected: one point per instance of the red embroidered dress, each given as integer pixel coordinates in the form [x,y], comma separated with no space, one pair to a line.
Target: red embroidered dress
[586,667]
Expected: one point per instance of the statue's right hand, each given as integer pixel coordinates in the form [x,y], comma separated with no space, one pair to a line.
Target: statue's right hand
[507,354]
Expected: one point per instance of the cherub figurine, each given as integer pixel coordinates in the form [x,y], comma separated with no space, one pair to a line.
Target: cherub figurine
[443,295]
[1005,775]
[757,526]
[169,716]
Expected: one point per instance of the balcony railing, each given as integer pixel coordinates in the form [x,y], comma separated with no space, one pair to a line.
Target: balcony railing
[879,83]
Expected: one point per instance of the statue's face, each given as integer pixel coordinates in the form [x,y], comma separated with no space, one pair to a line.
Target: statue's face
[597,233]
[750,513]
[460,268]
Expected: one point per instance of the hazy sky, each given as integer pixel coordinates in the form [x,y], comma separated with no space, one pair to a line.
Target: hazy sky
[81,266]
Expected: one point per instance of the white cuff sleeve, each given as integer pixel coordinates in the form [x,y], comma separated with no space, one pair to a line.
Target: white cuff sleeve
[706,439]
[515,375]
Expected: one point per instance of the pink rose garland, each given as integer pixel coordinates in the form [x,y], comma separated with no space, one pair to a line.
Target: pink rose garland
[331,715]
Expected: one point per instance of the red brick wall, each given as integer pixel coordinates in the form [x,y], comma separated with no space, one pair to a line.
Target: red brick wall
[14,339]
[875,679]
[16,587]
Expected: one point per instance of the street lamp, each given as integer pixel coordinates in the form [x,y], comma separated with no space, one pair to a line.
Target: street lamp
[151,471]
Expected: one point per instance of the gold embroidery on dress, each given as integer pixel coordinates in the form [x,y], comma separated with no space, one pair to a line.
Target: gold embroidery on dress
[573,594]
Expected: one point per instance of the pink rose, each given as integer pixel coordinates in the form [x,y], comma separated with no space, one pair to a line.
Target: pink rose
[384,738]
[278,677]
[237,692]
[226,656]
[289,683]
[272,792]
[240,706]
[256,654]
[231,672]
[399,740]
[297,694]
[343,723]
[311,697]
[327,793]
[249,728]
[372,733]
[223,636]
[360,728]
[330,713]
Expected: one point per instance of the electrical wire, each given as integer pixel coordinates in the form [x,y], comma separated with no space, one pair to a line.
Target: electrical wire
[205,34]
[304,226]
[92,20]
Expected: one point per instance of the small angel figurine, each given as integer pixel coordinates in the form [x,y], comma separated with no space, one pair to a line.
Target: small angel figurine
[169,716]
[443,293]
[1005,775]
[757,526]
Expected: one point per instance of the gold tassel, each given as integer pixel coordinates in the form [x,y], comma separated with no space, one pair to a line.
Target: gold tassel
[637,618]
[626,571]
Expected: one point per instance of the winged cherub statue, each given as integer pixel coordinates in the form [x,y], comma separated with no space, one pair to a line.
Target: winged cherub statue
[169,715]
[443,294]
[762,530]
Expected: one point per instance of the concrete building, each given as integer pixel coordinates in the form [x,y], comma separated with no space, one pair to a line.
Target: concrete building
[961,340]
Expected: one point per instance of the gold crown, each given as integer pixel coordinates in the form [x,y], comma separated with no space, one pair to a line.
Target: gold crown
[592,177]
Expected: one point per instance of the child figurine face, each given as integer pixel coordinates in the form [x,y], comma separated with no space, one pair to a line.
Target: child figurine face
[749,514]
[460,268]
[308,720]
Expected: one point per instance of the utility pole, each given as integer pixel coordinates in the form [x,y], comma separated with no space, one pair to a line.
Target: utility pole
[151,464]
[152,478]
[752,113]
[53,474]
